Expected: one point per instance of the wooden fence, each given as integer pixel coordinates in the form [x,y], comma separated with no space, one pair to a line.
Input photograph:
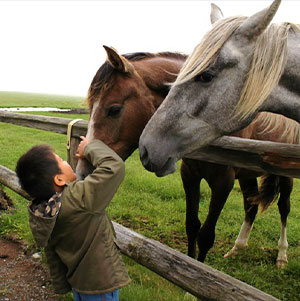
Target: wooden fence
[237,152]
[189,274]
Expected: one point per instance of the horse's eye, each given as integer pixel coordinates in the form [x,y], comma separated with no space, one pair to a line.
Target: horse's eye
[114,111]
[204,77]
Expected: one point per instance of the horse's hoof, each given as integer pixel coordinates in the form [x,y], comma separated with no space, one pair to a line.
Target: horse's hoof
[281,263]
[234,251]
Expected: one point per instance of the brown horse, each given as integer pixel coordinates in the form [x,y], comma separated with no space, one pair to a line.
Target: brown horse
[124,94]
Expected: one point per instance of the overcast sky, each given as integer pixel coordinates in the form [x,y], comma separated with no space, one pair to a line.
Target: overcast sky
[56,46]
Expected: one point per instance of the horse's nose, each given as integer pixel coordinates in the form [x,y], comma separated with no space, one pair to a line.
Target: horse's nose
[83,169]
[81,176]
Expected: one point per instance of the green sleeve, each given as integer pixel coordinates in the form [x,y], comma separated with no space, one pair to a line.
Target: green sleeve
[100,186]
[58,272]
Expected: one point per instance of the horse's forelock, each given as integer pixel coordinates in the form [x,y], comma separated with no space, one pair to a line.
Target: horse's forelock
[205,53]
[103,75]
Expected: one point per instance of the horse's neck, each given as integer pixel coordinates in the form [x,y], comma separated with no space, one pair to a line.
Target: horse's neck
[274,127]
[285,98]
[158,73]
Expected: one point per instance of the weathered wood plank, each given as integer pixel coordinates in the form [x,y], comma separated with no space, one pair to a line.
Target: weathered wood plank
[257,146]
[47,123]
[189,274]
[10,180]
[242,159]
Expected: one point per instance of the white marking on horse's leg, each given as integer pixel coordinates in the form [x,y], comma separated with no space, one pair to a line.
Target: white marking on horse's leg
[90,131]
[282,247]
[242,239]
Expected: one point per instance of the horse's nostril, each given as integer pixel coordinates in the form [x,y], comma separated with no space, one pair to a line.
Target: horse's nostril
[80,177]
[143,154]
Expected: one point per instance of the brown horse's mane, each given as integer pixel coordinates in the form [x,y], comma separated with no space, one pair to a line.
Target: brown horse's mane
[285,130]
[106,71]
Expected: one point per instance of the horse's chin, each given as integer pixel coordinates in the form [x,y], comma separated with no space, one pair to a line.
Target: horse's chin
[164,173]
[168,168]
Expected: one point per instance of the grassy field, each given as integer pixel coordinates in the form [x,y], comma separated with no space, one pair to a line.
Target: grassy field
[18,99]
[155,207]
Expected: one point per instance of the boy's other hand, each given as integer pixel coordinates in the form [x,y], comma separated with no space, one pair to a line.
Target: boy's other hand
[81,147]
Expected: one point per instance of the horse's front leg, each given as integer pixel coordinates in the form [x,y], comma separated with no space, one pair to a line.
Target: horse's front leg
[191,184]
[221,181]
[286,187]
[249,188]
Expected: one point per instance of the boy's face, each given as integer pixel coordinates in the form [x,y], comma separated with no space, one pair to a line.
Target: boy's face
[67,172]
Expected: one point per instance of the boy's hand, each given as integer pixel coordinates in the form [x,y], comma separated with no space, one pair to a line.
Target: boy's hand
[81,147]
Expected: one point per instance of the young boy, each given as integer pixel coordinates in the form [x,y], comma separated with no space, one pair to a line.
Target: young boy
[67,217]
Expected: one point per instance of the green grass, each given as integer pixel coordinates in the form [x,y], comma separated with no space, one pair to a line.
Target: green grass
[155,207]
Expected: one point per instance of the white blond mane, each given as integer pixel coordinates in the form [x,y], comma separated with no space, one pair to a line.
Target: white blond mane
[268,63]
[206,52]
[269,59]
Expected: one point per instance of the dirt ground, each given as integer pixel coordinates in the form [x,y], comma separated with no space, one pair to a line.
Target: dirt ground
[21,277]
[5,201]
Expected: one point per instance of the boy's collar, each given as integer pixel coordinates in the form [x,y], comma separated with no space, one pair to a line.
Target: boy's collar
[48,208]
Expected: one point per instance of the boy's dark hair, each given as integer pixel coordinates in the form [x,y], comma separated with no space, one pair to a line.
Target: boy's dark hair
[36,169]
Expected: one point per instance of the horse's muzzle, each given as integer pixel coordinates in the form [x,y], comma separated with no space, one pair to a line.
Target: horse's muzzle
[83,169]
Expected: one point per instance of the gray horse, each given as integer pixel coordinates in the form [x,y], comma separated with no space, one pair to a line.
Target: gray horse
[241,66]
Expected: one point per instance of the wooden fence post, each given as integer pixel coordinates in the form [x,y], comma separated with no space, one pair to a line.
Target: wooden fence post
[72,144]
[72,160]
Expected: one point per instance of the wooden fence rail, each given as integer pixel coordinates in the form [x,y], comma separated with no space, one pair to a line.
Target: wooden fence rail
[191,275]
[51,124]
[237,152]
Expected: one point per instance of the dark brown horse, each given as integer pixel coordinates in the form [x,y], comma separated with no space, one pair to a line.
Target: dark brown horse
[124,94]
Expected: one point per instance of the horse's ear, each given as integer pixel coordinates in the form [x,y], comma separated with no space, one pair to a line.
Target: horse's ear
[117,61]
[256,24]
[215,13]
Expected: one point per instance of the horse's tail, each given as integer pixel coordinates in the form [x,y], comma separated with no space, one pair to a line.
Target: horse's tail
[268,191]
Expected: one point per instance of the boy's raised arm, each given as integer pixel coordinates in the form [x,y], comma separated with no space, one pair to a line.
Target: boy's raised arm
[100,186]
